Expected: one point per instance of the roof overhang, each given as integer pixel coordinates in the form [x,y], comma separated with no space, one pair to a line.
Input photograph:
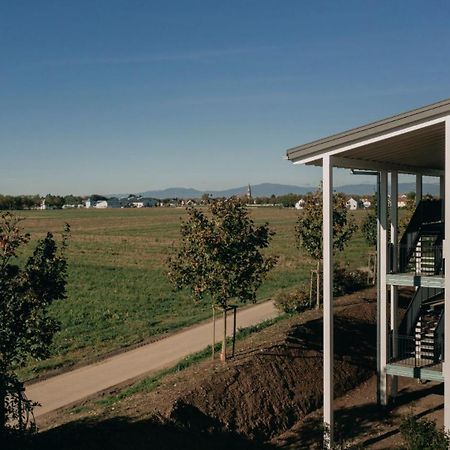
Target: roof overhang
[412,142]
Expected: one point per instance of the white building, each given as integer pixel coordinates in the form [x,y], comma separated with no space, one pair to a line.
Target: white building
[112,202]
[352,204]
[300,204]
[417,346]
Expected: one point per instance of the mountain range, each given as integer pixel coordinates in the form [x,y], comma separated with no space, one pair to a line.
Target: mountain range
[268,189]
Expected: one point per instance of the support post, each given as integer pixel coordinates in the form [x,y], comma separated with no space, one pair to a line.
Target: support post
[328,351]
[394,289]
[382,287]
[446,251]
[223,354]
[213,332]
[419,189]
[234,329]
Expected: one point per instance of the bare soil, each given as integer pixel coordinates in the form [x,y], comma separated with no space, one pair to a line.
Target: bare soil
[273,383]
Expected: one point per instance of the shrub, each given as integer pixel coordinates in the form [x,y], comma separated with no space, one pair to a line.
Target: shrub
[292,302]
[345,282]
[423,434]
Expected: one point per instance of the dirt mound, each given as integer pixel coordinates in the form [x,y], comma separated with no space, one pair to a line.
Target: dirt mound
[270,388]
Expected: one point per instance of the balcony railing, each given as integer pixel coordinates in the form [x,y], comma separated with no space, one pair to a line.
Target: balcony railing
[408,351]
[424,260]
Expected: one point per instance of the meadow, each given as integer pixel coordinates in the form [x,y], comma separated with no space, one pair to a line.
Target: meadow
[117,292]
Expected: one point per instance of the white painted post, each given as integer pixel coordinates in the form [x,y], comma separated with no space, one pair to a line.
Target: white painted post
[328,351]
[446,249]
[394,289]
[382,319]
[419,189]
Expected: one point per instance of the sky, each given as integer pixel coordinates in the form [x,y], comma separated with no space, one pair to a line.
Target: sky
[117,96]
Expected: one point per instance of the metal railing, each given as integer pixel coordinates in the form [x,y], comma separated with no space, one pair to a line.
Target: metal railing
[427,213]
[406,351]
[425,260]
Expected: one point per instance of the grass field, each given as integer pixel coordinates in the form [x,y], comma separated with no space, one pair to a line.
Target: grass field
[118,294]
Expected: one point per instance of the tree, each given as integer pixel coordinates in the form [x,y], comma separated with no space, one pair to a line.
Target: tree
[308,230]
[220,255]
[369,228]
[26,329]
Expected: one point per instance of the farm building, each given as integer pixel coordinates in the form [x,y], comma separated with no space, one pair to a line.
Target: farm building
[144,202]
[352,204]
[415,142]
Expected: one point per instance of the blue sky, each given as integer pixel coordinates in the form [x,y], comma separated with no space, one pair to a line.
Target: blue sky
[124,96]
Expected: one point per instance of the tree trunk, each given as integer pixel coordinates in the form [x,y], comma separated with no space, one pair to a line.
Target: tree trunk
[318,285]
[223,355]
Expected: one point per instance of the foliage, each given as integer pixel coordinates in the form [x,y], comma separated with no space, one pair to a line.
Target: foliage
[423,434]
[220,255]
[308,230]
[292,302]
[369,228]
[345,282]
[26,329]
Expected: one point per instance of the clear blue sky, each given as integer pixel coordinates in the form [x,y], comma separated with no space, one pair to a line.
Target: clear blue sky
[124,96]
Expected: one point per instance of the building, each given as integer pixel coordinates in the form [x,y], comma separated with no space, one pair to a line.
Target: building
[402,201]
[300,204]
[366,203]
[352,204]
[416,142]
[144,202]
[112,202]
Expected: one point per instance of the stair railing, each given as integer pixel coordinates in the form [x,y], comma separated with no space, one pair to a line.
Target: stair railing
[426,212]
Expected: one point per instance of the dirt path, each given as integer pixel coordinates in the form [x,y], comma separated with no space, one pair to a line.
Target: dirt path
[71,387]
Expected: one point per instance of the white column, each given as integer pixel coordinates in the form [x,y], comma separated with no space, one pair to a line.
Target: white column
[382,307]
[419,186]
[328,351]
[446,365]
[394,289]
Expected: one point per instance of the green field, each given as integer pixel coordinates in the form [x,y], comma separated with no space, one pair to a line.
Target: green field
[118,294]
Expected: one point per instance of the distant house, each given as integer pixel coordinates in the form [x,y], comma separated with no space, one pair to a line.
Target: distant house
[366,203]
[144,202]
[402,201]
[112,202]
[300,204]
[352,204]
[90,203]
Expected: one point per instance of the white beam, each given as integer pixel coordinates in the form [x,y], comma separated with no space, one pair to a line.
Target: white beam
[394,289]
[446,248]
[354,163]
[382,308]
[328,350]
[419,189]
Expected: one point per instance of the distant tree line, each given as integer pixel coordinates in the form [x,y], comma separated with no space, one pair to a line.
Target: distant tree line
[21,202]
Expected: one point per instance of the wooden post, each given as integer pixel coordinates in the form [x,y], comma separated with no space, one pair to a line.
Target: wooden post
[446,254]
[234,328]
[382,288]
[394,289]
[318,284]
[311,282]
[214,332]
[419,189]
[328,351]
[223,354]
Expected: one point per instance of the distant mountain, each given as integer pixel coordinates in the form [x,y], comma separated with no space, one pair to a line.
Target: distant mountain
[268,189]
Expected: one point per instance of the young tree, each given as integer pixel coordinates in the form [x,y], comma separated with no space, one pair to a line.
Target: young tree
[26,329]
[220,255]
[308,230]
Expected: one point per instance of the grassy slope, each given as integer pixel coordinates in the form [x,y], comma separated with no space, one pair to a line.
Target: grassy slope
[117,291]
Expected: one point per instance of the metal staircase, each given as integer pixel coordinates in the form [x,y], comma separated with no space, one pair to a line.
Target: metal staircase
[420,338]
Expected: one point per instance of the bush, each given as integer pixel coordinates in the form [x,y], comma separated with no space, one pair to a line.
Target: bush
[423,434]
[345,282]
[292,302]
[348,281]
